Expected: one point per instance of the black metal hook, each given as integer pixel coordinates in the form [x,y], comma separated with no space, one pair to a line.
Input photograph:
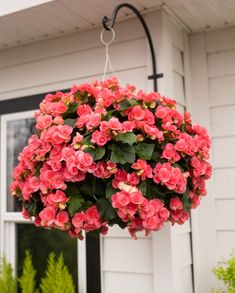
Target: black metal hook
[108,25]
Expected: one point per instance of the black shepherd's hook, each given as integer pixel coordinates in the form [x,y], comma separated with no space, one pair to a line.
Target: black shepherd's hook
[110,24]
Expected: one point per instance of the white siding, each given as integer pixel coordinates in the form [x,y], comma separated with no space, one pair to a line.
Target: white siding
[221,77]
[126,263]
[184,261]
[215,52]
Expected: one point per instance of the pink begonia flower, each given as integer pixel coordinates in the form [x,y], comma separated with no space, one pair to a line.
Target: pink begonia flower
[62,218]
[25,214]
[94,121]
[43,122]
[176,204]
[47,216]
[100,138]
[170,153]
[58,120]
[84,110]
[56,198]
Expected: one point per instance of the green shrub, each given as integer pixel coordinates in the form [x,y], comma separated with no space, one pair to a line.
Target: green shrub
[8,283]
[226,273]
[57,278]
[27,281]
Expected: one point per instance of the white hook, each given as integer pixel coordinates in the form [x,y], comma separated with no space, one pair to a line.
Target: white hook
[102,36]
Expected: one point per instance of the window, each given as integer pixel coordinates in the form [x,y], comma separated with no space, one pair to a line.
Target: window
[18,234]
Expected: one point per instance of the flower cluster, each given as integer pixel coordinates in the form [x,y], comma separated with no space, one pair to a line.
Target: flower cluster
[104,155]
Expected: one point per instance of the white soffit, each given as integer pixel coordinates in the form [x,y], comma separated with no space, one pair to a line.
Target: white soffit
[60,17]
[11,6]
[33,20]
[202,15]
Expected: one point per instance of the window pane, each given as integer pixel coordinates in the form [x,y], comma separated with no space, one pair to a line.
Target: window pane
[41,242]
[18,132]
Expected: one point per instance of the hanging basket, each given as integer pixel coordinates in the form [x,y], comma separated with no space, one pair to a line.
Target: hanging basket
[106,155]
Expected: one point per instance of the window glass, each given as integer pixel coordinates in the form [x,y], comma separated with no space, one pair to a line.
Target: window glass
[40,242]
[18,132]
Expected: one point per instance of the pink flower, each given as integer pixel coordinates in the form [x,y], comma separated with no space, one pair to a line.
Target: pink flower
[181,145]
[164,175]
[176,204]
[47,216]
[43,121]
[56,198]
[136,197]
[170,153]
[83,109]
[78,220]
[137,113]
[144,169]
[162,112]
[99,138]
[62,218]
[93,121]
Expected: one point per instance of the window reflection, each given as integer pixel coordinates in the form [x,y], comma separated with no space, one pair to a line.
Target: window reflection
[18,133]
[41,242]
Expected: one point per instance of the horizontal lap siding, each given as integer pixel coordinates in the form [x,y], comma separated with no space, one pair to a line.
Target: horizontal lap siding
[59,63]
[127,264]
[221,85]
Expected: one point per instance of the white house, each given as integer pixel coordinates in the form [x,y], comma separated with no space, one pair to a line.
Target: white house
[49,45]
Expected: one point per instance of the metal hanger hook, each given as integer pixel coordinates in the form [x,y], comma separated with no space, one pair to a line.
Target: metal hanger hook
[102,36]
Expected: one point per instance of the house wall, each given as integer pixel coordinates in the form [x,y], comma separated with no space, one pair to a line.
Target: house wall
[177,85]
[213,104]
[162,262]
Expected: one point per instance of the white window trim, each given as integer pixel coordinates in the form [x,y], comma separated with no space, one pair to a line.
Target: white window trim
[8,220]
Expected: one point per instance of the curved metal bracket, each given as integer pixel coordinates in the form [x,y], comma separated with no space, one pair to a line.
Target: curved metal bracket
[108,24]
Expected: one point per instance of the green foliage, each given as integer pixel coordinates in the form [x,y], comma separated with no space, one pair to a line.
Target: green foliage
[126,104]
[226,274]
[75,203]
[144,150]
[106,211]
[109,190]
[122,153]
[27,281]
[96,153]
[128,137]
[57,278]
[71,122]
[7,281]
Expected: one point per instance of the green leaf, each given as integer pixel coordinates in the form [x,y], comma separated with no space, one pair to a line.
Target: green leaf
[31,207]
[100,186]
[122,153]
[106,211]
[109,191]
[156,155]
[144,150]
[87,140]
[143,187]
[156,191]
[96,153]
[88,187]
[119,222]
[71,122]
[72,108]
[74,204]
[186,200]
[125,104]
[128,137]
